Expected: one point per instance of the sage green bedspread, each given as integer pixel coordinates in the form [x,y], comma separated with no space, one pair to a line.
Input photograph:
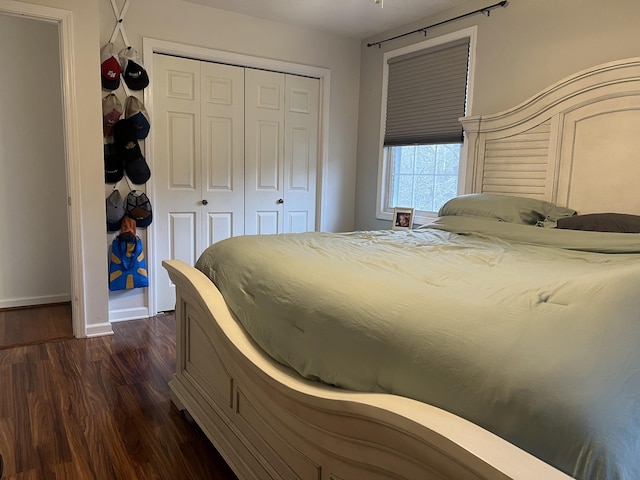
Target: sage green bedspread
[514,327]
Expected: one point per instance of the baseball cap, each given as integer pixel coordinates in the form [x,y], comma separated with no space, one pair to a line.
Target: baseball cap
[135,165]
[110,68]
[124,134]
[138,207]
[111,112]
[113,164]
[134,110]
[127,229]
[115,211]
[133,73]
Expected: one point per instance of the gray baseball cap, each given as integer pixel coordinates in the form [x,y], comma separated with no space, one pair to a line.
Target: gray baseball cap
[115,211]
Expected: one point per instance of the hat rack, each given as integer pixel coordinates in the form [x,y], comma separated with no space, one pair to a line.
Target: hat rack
[119,28]
[120,22]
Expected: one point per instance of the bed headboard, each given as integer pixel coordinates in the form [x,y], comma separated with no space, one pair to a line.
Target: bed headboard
[576,143]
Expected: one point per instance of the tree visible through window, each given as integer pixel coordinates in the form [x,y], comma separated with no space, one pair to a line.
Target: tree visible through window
[424,176]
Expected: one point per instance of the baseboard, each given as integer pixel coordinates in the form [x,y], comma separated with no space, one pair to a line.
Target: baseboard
[99,330]
[33,301]
[124,314]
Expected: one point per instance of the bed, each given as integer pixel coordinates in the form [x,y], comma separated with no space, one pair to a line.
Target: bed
[523,363]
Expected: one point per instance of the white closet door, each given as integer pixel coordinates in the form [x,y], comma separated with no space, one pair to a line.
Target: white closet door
[264,151]
[222,151]
[198,161]
[300,153]
[281,152]
[176,167]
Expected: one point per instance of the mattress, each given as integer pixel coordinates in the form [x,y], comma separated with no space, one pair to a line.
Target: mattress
[532,333]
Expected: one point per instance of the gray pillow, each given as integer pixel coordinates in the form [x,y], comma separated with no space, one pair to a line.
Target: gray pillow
[507,208]
[602,222]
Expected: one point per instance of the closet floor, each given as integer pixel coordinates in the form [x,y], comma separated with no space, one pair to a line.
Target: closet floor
[33,325]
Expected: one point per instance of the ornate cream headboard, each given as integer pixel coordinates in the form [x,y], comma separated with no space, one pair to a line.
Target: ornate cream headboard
[576,143]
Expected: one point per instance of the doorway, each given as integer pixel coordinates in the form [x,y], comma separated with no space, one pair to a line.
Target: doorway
[34,240]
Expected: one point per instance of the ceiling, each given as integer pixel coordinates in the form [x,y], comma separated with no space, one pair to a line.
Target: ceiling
[354,18]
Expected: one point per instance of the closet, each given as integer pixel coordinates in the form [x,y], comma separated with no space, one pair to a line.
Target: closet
[235,152]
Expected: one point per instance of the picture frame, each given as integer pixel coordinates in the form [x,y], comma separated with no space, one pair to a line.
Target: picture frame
[402,218]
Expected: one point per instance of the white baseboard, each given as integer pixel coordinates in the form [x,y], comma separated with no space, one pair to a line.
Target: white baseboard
[33,301]
[99,330]
[124,314]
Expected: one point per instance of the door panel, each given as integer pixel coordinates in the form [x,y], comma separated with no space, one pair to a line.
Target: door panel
[176,167]
[299,159]
[198,160]
[219,226]
[182,241]
[268,159]
[264,151]
[267,222]
[219,154]
[297,222]
[183,163]
[301,153]
[222,151]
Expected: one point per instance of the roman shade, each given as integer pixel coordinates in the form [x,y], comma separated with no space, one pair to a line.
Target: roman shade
[426,95]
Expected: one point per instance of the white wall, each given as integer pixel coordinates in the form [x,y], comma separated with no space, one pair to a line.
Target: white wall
[191,24]
[34,240]
[188,23]
[521,49]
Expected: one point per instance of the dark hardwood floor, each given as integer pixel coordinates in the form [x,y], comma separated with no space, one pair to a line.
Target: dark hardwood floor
[99,408]
[38,324]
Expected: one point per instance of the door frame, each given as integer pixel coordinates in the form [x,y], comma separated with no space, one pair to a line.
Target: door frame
[64,20]
[151,46]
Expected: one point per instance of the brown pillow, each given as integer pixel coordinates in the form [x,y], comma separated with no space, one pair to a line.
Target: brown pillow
[602,222]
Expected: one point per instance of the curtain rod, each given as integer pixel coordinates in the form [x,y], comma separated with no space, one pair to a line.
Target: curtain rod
[486,10]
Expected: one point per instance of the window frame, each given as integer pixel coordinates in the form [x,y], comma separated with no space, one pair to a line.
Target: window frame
[383,209]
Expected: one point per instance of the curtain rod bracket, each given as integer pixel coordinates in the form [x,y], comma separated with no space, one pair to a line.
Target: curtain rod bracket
[485,10]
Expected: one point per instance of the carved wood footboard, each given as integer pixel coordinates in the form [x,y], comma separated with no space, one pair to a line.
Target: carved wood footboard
[268,422]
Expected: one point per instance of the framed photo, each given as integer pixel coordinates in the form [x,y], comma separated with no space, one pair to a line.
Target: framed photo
[402,218]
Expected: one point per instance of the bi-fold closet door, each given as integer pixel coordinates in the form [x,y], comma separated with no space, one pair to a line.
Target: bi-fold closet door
[281,150]
[235,152]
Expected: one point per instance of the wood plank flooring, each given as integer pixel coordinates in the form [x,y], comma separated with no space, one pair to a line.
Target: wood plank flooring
[31,325]
[99,408]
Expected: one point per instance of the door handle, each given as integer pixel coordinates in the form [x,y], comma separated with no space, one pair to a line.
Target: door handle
[205,202]
[280,200]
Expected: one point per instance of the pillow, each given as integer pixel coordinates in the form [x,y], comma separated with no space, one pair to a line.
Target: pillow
[602,222]
[506,208]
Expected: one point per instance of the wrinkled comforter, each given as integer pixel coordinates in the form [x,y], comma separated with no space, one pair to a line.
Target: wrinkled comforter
[531,333]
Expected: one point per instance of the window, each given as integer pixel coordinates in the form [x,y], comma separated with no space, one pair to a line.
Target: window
[426,93]
[423,177]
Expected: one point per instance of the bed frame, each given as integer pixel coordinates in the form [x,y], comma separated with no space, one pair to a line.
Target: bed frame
[576,143]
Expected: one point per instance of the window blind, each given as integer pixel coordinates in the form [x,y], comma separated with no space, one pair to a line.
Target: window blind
[427,94]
